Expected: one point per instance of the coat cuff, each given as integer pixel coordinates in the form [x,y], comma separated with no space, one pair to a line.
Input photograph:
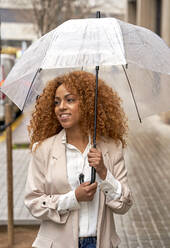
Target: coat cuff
[111,187]
[68,202]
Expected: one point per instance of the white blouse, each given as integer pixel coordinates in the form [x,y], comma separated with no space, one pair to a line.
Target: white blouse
[77,163]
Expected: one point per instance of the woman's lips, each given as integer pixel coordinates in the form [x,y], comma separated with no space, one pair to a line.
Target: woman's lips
[64,117]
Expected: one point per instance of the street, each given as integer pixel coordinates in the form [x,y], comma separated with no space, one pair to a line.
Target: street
[147,156]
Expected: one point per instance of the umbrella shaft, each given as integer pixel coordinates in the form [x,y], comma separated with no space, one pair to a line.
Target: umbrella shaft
[93,171]
[95,107]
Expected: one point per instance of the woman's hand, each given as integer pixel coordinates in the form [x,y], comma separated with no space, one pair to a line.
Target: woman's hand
[95,160]
[86,191]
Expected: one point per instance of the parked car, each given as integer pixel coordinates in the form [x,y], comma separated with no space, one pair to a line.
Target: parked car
[7,62]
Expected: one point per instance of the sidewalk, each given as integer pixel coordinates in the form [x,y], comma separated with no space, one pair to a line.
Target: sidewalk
[147,224]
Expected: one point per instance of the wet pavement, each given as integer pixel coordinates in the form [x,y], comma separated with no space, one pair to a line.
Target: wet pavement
[147,156]
[147,224]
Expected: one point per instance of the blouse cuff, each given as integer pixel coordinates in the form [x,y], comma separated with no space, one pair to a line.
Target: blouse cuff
[111,187]
[68,202]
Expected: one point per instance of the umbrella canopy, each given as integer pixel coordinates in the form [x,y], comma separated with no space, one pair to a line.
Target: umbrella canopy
[143,85]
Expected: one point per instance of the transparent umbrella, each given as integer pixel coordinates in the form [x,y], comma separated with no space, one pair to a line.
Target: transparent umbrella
[133,60]
[123,51]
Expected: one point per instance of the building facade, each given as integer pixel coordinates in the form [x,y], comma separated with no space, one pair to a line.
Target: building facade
[16,23]
[152,14]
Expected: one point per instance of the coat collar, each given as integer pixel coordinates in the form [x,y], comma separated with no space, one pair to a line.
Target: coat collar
[58,148]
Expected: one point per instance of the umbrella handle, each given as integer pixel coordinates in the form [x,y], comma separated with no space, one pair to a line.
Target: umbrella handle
[93,175]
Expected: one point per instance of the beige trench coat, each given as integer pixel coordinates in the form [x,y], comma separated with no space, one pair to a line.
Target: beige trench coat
[47,179]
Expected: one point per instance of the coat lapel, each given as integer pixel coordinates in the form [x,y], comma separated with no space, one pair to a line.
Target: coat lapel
[58,156]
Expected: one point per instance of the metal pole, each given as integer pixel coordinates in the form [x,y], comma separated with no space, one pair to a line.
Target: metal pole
[8,118]
[0,41]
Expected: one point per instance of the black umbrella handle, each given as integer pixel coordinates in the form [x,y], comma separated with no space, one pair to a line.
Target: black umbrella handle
[93,175]
[93,170]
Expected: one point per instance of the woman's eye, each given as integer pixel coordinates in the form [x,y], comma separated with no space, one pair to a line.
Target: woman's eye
[56,103]
[70,100]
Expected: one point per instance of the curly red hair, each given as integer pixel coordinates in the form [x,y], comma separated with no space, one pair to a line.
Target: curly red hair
[111,119]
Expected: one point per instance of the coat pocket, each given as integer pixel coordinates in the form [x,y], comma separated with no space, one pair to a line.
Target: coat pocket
[42,242]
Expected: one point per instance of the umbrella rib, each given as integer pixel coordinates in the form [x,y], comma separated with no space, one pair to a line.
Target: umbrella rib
[38,71]
[132,94]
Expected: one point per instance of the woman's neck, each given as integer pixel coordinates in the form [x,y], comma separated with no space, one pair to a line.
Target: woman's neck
[77,139]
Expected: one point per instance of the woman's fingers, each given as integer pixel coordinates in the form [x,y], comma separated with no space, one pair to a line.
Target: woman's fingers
[86,191]
[93,150]
[95,163]
[85,184]
[91,193]
[94,155]
[94,160]
[91,187]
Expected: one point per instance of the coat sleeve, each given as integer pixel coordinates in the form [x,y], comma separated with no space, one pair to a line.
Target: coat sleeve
[119,171]
[41,205]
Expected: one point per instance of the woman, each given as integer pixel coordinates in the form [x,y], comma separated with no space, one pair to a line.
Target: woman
[75,213]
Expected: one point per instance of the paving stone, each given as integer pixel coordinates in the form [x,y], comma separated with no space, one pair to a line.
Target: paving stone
[156,243]
[146,244]
[133,245]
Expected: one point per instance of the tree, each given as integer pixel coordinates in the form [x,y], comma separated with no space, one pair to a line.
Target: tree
[50,13]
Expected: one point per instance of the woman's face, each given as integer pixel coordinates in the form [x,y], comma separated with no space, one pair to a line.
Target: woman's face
[67,108]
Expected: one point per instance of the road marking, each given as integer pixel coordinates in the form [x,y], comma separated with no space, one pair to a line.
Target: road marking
[14,126]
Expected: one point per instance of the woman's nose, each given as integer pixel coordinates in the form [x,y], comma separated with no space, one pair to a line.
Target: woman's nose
[62,105]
